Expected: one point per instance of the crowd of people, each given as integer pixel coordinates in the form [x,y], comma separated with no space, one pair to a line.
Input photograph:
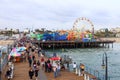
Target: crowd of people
[37,60]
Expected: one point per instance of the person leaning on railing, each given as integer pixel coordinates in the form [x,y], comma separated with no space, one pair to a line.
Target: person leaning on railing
[82,68]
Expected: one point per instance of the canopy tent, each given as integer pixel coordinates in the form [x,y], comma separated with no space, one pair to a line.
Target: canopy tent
[33,35]
[71,35]
[55,36]
[55,58]
[63,37]
[39,36]
[47,36]
[90,35]
[16,51]
[19,49]
[15,54]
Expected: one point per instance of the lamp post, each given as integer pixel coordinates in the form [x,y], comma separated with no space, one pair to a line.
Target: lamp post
[105,65]
[11,32]
[53,39]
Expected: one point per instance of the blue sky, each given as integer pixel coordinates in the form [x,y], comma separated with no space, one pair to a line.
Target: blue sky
[58,14]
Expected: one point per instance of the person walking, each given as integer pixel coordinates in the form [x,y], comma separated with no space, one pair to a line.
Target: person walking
[49,67]
[38,63]
[46,66]
[39,52]
[33,56]
[8,74]
[42,62]
[30,61]
[36,72]
[31,73]
[58,69]
[55,71]
[34,64]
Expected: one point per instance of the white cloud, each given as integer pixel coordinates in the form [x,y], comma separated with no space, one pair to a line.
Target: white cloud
[58,13]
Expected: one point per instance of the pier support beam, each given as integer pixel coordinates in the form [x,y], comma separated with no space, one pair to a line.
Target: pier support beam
[108,45]
[83,45]
[102,44]
[112,45]
[70,44]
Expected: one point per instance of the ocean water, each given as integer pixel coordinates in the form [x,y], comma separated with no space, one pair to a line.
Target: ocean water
[92,57]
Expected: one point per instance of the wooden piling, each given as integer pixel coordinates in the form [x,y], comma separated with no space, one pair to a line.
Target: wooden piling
[73,44]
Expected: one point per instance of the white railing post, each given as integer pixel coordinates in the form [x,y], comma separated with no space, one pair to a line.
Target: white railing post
[79,73]
[76,72]
[85,77]
[88,78]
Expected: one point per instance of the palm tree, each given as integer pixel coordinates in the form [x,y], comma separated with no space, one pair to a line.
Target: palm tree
[37,30]
[43,29]
[11,32]
[6,33]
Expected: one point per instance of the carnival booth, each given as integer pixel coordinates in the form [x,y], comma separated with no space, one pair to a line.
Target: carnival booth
[33,35]
[71,35]
[55,60]
[16,53]
[47,36]
[39,36]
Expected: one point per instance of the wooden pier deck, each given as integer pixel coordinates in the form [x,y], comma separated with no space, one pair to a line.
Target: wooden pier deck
[21,73]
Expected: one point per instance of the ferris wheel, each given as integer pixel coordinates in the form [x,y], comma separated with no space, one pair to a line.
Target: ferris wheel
[83,24]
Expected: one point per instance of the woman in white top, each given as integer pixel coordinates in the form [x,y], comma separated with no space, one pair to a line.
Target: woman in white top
[74,66]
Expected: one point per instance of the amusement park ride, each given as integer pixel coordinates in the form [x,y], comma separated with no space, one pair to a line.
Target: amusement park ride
[83,30]
[81,35]
[85,23]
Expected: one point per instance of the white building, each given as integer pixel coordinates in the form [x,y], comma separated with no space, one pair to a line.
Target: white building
[118,35]
[26,30]
[115,30]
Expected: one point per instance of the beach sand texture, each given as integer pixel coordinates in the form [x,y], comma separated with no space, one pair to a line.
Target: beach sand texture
[117,40]
[6,42]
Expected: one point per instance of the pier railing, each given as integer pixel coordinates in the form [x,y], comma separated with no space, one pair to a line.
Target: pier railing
[90,74]
[96,73]
[4,60]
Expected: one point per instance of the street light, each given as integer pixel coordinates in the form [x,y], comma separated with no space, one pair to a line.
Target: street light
[105,65]
[11,32]
[53,39]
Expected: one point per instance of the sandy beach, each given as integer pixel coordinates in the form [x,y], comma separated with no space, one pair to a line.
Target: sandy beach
[6,42]
[117,40]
